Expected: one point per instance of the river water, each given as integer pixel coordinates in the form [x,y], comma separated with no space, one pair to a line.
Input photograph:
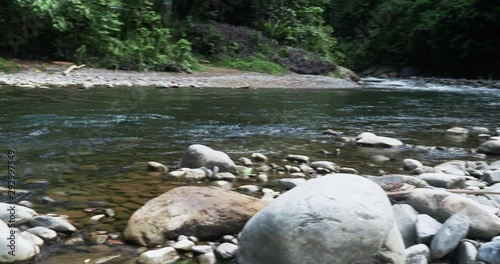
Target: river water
[89,148]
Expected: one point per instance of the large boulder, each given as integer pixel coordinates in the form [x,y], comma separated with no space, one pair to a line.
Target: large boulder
[204,212]
[338,218]
[198,156]
[490,147]
[441,205]
[372,140]
[14,247]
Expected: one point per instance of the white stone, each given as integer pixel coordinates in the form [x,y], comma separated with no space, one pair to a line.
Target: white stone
[22,214]
[416,253]
[298,158]
[259,157]
[54,223]
[23,249]
[227,250]
[207,258]
[457,131]
[443,180]
[427,227]
[185,245]
[370,139]
[325,165]
[411,164]
[249,188]
[156,166]
[406,218]
[198,156]
[165,255]
[43,232]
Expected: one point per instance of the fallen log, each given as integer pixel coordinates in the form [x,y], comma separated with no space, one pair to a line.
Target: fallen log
[72,67]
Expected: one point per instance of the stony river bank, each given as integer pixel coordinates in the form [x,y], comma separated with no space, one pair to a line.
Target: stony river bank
[297,210]
[43,75]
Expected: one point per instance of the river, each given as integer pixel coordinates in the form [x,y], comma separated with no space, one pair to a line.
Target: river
[89,148]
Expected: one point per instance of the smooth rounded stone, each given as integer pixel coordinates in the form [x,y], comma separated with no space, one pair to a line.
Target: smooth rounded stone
[456,167]
[248,188]
[298,175]
[156,166]
[306,168]
[185,245]
[259,157]
[227,250]
[43,232]
[37,240]
[449,235]
[443,180]
[22,214]
[492,177]
[196,174]
[457,131]
[291,183]
[202,249]
[332,133]
[495,164]
[479,130]
[182,237]
[426,227]
[26,204]
[245,161]
[424,169]
[207,258]
[411,164]
[55,223]
[380,158]
[417,254]
[262,177]
[305,225]
[230,239]
[489,252]
[298,158]
[21,249]
[204,212]
[227,176]
[348,170]
[96,218]
[475,183]
[222,184]
[441,205]
[164,255]
[263,168]
[325,165]
[406,218]
[292,169]
[388,181]
[490,147]
[198,156]
[372,140]
[465,253]
[178,173]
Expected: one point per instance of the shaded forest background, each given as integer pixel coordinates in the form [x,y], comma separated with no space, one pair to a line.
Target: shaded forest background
[455,38]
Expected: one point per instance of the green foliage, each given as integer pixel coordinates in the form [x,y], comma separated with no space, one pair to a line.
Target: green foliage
[256,63]
[7,66]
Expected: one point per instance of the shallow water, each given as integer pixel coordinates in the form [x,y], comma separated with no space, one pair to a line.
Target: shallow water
[89,148]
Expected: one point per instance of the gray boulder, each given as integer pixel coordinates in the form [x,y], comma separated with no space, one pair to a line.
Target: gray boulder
[443,180]
[490,147]
[204,212]
[227,250]
[22,214]
[427,227]
[329,216]
[455,167]
[492,177]
[449,235]
[372,140]
[406,218]
[298,158]
[20,248]
[441,205]
[198,156]
[489,252]
[55,223]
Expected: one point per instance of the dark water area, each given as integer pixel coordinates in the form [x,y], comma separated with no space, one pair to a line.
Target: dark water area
[89,148]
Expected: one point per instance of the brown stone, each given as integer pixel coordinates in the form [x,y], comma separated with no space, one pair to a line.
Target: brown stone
[204,212]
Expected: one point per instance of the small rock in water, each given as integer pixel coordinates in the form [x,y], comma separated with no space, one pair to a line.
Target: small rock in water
[426,227]
[291,183]
[490,147]
[245,161]
[479,130]
[411,164]
[156,166]
[325,165]
[165,255]
[227,250]
[380,158]
[262,177]
[259,157]
[332,133]
[249,188]
[222,184]
[457,131]
[449,235]
[348,170]
[298,158]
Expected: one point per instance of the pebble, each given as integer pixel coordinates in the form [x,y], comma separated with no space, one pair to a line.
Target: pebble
[259,157]
[43,232]
[411,164]
[156,166]
[245,161]
[184,245]
[227,250]
[298,158]
[262,177]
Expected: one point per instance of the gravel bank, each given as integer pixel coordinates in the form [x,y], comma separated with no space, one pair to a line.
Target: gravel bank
[42,75]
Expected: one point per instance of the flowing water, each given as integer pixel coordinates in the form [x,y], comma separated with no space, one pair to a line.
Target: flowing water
[89,148]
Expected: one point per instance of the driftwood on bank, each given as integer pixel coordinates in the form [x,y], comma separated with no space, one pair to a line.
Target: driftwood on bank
[401,194]
[72,67]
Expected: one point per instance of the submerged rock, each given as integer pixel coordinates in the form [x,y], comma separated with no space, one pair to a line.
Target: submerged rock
[305,225]
[204,212]
[370,139]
